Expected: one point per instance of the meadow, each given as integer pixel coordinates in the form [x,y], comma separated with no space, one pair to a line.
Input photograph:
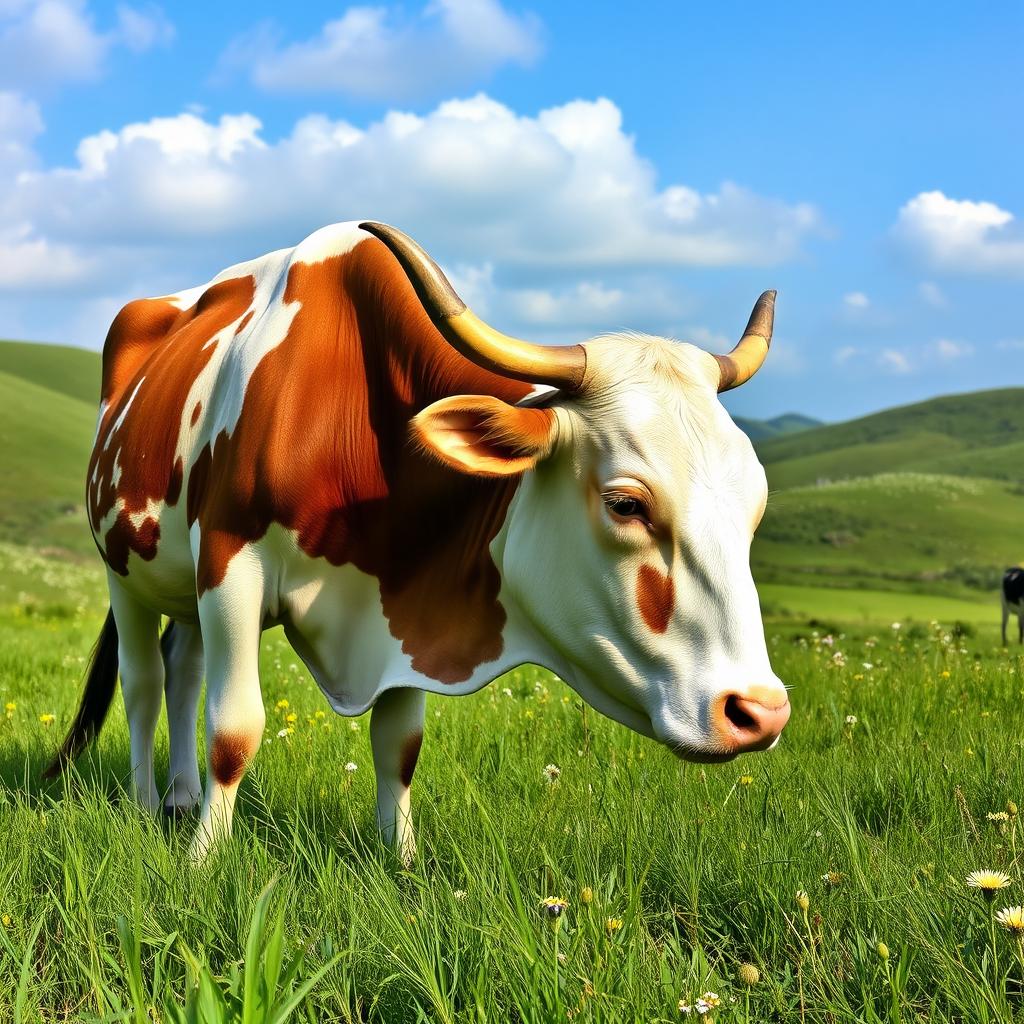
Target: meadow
[823,881]
[832,870]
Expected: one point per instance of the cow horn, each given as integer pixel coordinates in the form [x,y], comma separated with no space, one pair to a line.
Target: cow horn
[562,367]
[746,358]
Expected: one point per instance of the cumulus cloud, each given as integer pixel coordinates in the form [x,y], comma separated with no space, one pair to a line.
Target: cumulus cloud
[563,193]
[46,42]
[844,354]
[961,235]
[29,261]
[381,53]
[856,300]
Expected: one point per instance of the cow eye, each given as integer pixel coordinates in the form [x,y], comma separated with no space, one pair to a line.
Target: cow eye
[626,506]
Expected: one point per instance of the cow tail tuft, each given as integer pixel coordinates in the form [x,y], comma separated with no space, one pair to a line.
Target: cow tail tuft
[100,684]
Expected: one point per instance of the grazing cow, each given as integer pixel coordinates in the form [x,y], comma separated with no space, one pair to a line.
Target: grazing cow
[1013,600]
[327,439]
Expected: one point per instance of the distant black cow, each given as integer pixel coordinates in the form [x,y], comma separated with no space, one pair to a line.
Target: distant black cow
[1013,600]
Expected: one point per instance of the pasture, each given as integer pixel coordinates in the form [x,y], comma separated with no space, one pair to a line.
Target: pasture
[675,874]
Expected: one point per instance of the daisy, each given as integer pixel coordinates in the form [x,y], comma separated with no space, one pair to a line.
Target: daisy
[1012,919]
[552,772]
[989,882]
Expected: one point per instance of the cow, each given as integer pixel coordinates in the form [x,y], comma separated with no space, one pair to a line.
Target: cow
[328,439]
[1012,597]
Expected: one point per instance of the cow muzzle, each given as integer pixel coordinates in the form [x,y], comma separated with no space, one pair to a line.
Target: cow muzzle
[749,721]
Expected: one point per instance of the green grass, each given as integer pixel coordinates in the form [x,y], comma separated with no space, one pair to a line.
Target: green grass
[782,601]
[102,918]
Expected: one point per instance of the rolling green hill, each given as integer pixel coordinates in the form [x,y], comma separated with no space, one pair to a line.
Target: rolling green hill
[48,397]
[978,434]
[74,372]
[927,497]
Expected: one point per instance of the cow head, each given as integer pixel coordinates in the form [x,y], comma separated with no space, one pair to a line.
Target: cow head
[625,551]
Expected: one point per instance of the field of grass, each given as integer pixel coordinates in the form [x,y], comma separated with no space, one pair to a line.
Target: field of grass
[899,773]
[697,868]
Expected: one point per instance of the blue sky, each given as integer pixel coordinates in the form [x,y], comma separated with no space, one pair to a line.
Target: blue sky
[577,167]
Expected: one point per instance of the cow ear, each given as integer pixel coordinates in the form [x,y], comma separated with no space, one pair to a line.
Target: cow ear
[485,436]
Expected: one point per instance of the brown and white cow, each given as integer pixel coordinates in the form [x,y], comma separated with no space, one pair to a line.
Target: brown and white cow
[326,438]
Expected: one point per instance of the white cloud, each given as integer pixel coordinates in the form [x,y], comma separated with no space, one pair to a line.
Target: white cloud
[961,235]
[856,300]
[20,123]
[551,225]
[381,53]
[45,42]
[932,294]
[893,361]
[948,350]
[28,261]
[846,353]
[563,193]
[1011,345]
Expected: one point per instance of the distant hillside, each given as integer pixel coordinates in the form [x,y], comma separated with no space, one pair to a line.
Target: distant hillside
[787,423]
[45,437]
[977,434]
[74,372]
[923,497]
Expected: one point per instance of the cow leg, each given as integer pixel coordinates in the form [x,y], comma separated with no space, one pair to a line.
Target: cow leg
[1006,618]
[142,683]
[182,646]
[396,731]
[231,620]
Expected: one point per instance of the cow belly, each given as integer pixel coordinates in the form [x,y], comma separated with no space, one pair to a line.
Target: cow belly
[334,620]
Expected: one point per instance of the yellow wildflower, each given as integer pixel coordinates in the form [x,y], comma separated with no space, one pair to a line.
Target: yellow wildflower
[553,906]
[1012,919]
[988,882]
[612,925]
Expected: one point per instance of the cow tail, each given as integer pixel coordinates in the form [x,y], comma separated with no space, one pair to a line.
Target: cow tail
[100,684]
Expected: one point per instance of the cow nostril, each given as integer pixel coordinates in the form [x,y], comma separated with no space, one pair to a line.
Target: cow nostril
[734,712]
